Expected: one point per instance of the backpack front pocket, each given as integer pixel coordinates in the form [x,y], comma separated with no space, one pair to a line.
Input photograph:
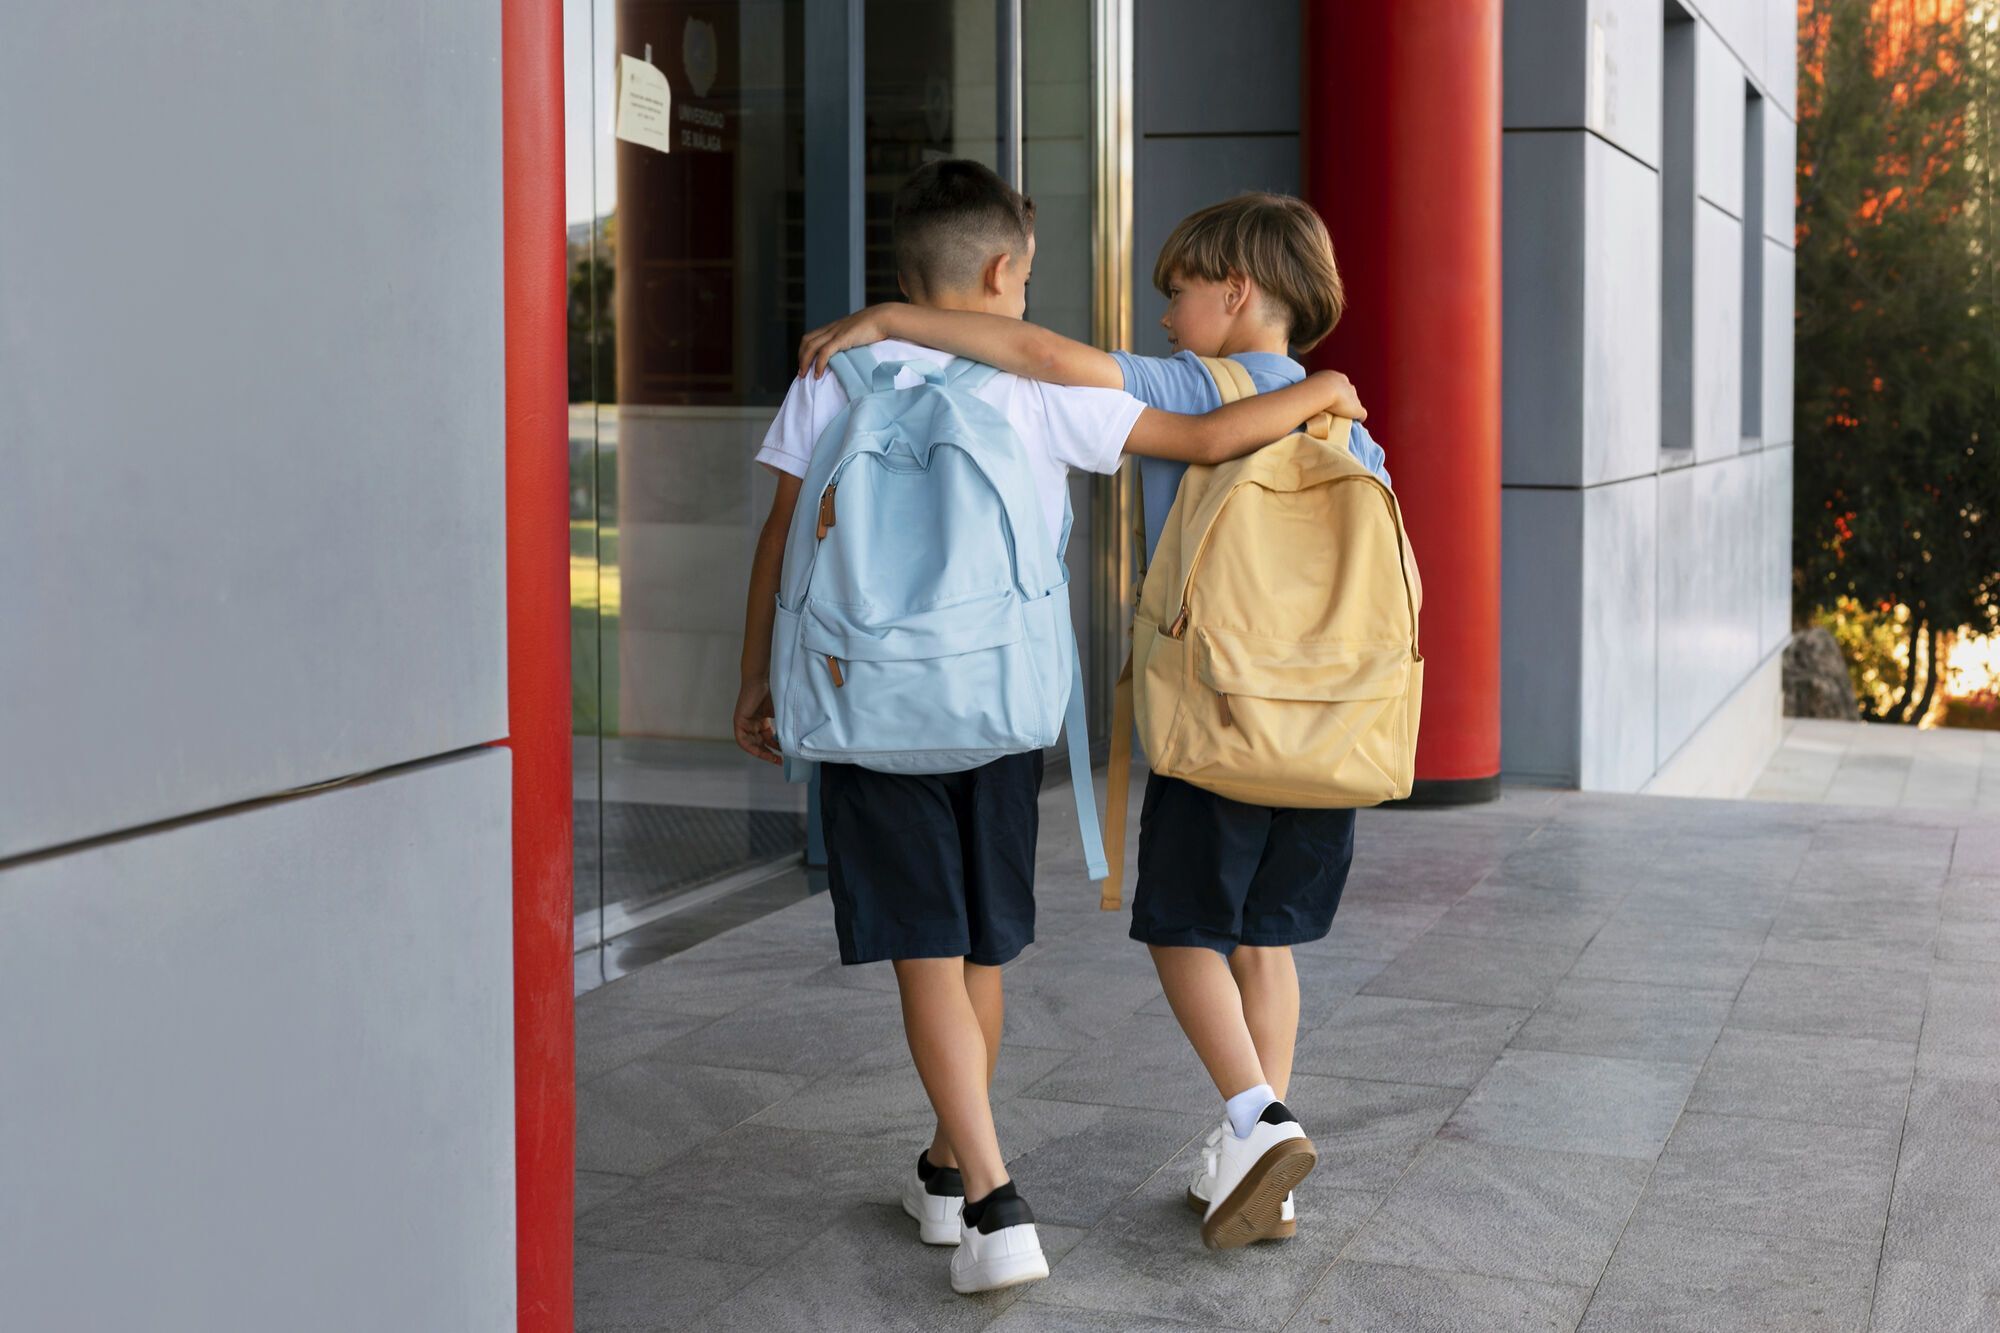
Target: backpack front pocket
[940,689]
[1293,722]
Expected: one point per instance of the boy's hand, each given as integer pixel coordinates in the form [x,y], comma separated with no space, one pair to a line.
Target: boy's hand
[1346,402]
[859,329]
[755,732]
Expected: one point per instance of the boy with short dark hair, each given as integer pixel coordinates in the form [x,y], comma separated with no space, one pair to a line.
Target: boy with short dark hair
[934,872]
[1224,888]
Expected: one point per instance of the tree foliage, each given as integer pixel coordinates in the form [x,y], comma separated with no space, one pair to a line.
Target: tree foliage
[1897,471]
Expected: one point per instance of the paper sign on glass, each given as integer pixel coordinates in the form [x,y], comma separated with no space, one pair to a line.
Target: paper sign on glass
[643,102]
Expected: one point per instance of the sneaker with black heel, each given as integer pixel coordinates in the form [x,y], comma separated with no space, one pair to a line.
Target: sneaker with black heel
[1254,1176]
[998,1245]
[933,1196]
[1201,1190]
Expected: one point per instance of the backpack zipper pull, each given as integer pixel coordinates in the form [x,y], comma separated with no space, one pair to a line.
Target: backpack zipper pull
[833,665]
[826,512]
[1228,718]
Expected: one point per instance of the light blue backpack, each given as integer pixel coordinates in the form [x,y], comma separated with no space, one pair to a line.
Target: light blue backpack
[923,613]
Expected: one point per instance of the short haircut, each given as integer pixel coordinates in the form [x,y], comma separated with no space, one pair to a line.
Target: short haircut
[1275,240]
[951,217]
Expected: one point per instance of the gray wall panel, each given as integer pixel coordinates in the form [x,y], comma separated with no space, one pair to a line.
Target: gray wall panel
[1204,68]
[1621,318]
[250,402]
[1543,232]
[245,1089]
[1541,626]
[1713,552]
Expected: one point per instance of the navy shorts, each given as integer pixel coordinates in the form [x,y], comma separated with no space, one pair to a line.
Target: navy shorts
[932,865]
[1215,873]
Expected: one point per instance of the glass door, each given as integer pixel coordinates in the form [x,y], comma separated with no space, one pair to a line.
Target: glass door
[693,273]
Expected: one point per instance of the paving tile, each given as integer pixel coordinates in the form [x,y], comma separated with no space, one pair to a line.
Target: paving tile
[1595,1017]
[619,1291]
[594,1187]
[1913,1297]
[1504,1212]
[1373,928]
[796,1030]
[1816,928]
[749,1172]
[1066,999]
[1969,929]
[1575,1103]
[1832,1001]
[1368,1132]
[1415,1300]
[713,982]
[1509,911]
[1662,953]
[1143,1061]
[1077,1162]
[1775,1177]
[608,1035]
[1146,1259]
[1824,1080]
[1947,1205]
[1409,1041]
[1474,971]
[643,1114]
[1325,983]
[1961,1036]
[1665,1277]
[865,1271]
[880,1095]
[1034,1317]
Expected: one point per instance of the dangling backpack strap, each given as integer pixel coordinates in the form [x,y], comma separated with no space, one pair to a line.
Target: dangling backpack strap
[1077,725]
[1118,787]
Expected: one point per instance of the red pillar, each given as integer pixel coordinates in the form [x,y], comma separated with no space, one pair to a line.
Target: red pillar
[1400,126]
[538,704]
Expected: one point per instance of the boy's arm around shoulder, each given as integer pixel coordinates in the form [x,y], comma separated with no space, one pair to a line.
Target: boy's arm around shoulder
[1012,345]
[1241,427]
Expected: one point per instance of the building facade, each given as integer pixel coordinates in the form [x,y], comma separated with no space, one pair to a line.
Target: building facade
[304,700]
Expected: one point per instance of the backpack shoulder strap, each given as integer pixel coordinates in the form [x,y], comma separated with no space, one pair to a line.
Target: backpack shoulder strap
[1232,381]
[1077,725]
[971,376]
[855,368]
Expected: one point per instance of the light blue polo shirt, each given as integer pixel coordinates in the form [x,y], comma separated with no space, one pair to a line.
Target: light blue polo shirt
[1181,383]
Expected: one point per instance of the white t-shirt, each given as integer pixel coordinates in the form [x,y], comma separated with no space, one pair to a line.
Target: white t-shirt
[1060,426]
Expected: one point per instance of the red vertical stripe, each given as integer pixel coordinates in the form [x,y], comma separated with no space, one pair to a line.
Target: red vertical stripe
[538,705]
[1400,123]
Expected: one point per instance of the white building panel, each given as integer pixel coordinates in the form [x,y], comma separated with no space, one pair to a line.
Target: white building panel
[1781,181]
[1712,546]
[259,1068]
[1591,64]
[1619,679]
[1621,317]
[1718,333]
[250,403]
[1774,563]
[1718,134]
[1780,298]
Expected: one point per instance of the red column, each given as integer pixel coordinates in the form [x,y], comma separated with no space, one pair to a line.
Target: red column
[538,702]
[1400,126]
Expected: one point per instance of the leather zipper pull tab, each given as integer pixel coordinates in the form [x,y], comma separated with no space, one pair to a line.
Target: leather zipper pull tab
[1228,718]
[833,665]
[826,510]
[1179,627]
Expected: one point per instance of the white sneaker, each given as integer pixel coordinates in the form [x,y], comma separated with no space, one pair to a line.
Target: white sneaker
[1202,1188]
[1006,1256]
[935,1203]
[1253,1177]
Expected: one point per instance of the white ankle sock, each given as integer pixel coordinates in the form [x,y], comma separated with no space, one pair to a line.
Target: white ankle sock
[1244,1108]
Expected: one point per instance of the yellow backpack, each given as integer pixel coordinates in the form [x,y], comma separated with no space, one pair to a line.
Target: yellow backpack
[1275,646]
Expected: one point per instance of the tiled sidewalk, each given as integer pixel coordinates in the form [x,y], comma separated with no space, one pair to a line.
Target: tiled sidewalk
[1856,763]
[1616,1062]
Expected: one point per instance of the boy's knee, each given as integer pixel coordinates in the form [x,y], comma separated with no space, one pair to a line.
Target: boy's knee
[1261,958]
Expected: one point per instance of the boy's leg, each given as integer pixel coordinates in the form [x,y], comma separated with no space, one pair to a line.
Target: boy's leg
[982,987]
[952,1057]
[1205,1000]
[1268,983]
